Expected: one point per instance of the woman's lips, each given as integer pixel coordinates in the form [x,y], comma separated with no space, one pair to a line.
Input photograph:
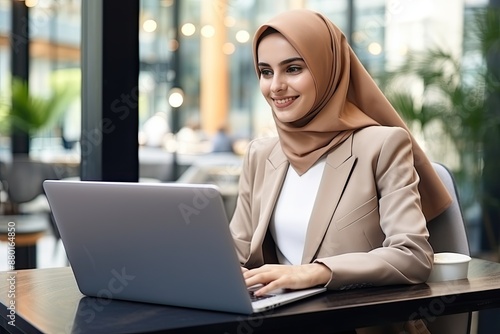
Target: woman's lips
[283,102]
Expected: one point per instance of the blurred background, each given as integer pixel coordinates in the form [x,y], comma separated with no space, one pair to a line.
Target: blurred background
[195,100]
[198,101]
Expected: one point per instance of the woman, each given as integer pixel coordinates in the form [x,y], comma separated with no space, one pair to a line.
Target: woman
[342,196]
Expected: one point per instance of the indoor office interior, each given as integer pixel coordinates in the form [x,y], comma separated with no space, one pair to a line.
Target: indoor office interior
[172,96]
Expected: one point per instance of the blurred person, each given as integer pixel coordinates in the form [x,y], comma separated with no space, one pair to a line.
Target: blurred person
[341,197]
[222,142]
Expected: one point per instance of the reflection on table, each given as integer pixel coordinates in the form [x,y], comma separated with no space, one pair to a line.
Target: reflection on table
[48,300]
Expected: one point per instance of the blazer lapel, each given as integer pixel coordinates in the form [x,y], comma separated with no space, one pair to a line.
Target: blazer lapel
[276,168]
[338,167]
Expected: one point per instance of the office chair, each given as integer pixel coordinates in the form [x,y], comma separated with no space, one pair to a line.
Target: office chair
[27,207]
[448,234]
[3,185]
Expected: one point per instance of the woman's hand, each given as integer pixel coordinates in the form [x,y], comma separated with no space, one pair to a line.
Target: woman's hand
[287,276]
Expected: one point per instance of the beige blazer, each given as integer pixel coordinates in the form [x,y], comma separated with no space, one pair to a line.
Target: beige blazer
[366,224]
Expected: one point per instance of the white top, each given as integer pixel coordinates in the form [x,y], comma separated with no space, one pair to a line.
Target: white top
[292,212]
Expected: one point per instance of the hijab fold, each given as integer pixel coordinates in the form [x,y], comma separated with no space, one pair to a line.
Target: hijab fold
[347,99]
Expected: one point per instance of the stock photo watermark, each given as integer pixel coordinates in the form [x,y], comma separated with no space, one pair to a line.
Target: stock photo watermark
[430,312]
[89,306]
[249,324]
[11,278]
[42,17]
[121,108]
[201,200]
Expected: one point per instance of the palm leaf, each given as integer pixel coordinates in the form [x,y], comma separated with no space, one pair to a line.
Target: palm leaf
[33,113]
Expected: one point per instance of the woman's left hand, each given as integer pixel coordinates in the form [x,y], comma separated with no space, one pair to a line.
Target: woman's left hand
[287,276]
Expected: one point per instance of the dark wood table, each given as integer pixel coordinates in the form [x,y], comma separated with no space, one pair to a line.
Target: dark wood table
[48,301]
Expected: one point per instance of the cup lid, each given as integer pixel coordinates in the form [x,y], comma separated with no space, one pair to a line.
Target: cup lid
[447,258]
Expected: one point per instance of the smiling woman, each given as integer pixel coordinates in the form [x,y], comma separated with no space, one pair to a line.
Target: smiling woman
[341,198]
[285,80]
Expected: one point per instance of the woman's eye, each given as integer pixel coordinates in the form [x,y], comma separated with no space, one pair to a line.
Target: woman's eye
[265,72]
[294,69]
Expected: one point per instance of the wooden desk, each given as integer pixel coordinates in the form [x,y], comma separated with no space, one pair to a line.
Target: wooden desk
[47,300]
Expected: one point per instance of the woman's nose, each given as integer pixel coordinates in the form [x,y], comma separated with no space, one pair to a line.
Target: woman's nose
[278,84]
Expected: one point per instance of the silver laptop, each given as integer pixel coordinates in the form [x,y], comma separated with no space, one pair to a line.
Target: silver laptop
[163,243]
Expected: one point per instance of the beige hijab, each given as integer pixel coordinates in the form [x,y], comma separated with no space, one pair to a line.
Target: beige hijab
[347,98]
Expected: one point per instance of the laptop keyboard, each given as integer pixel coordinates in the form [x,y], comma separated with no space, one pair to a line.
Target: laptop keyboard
[254,298]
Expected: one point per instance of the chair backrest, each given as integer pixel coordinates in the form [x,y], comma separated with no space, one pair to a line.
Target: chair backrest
[447,231]
[24,179]
[448,234]
[3,175]
[3,184]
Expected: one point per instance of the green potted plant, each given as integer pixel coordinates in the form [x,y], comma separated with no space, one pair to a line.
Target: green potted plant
[28,114]
[449,108]
[449,102]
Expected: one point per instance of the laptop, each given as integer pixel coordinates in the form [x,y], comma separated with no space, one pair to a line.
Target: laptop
[162,243]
